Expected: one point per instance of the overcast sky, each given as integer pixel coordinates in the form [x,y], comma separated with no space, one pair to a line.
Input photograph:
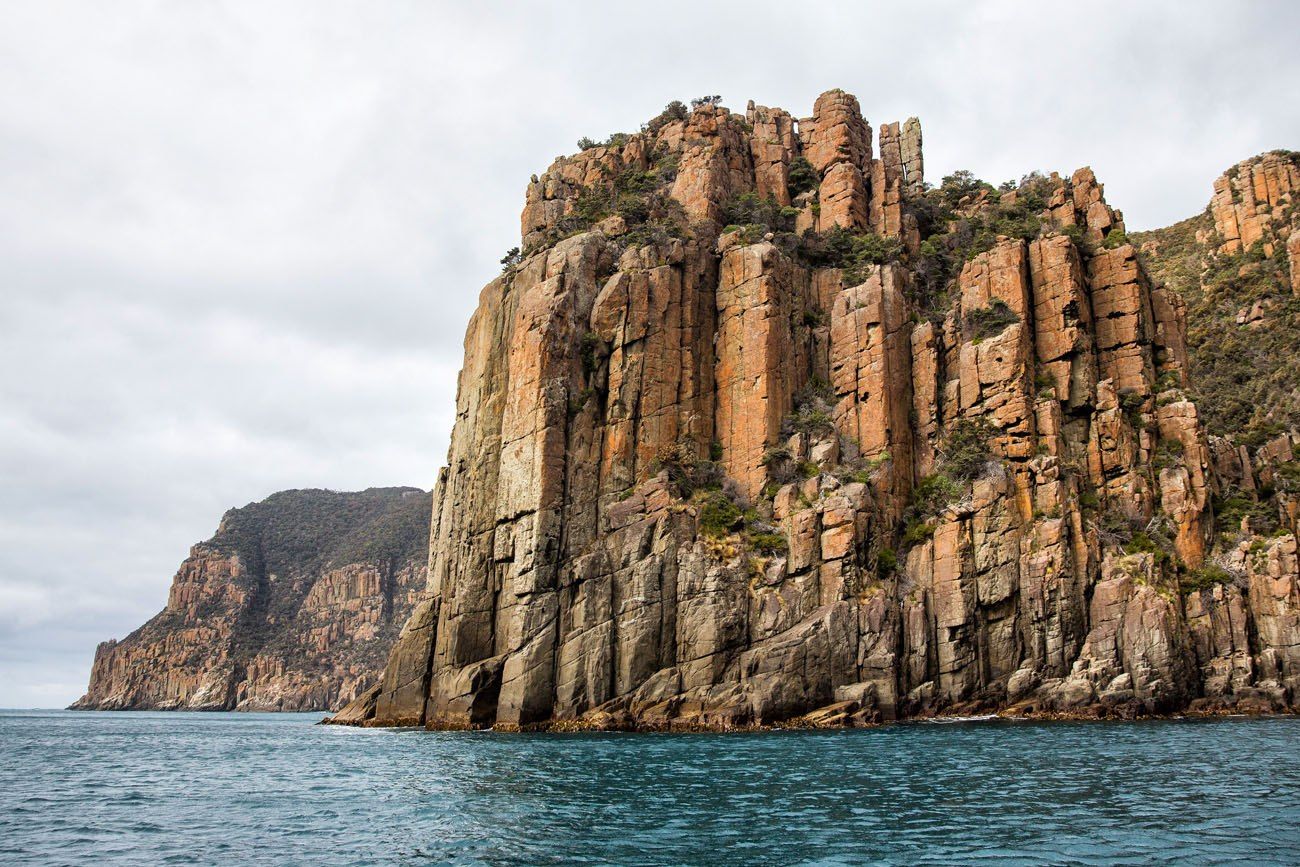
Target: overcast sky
[239,242]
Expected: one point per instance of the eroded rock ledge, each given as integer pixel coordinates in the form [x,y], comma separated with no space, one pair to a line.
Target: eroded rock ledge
[757,427]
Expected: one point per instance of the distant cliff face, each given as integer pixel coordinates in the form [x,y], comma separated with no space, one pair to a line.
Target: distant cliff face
[1238,266]
[292,605]
[757,426]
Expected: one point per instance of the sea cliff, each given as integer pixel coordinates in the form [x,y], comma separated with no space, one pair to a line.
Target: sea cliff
[293,604]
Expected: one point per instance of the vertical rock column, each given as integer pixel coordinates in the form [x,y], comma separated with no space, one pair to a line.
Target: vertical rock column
[913,161]
[773,145]
[837,142]
[1124,329]
[531,493]
[888,196]
[755,374]
[871,374]
[716,163]
[995,370]
[1293,260]
[1063,320]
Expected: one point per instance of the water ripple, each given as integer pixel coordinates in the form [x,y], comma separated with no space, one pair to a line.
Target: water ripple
[252,789]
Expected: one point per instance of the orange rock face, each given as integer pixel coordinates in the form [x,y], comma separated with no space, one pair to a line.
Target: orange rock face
[713,476]
[1256,205]
[1253,202]
[292,605]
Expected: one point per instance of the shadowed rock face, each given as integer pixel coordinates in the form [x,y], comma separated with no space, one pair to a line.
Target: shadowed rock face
[293,605]
[874,451]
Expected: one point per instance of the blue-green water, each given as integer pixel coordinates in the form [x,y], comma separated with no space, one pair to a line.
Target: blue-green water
[146,788]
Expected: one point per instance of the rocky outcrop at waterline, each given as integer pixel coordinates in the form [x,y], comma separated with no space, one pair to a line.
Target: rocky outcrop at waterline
[759,426]
[293,604]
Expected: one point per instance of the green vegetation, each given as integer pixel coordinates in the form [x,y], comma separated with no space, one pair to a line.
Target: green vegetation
[886,562]
[294,531]
[1115,239]
[855,253]
[1115,529]
[641,198]
[813,406]
[591,351]
[916,530]
[801,177]
[989,321]
[1150,542]
[1208,576]
[718,514]
[675,110]
[960,187]
[1286,477]
[294,534]
[765,541]
[954,230]
[1242,376]
[686,472]
[1169,453]
[929,498]
[1133,403]
[963,457]
[965,451]
[1236,505]
[723,509]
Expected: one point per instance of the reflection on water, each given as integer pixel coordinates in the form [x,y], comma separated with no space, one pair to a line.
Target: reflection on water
[119,788]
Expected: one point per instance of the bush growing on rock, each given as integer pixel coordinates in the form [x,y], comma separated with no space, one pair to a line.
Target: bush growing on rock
[801,177]
[854,252]
[812,412]
[886,562]
[512,258]
[766,541]
[763,214]
[686,472]
[964,457]
[675,110]
[718,514]
[1169,453]
[1115,239]
[989,321]
[960,185]
[1210,575]
[1235,506]
[1151,542]
[965,453]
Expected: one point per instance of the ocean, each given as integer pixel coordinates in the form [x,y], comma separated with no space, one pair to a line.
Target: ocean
[244,789]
